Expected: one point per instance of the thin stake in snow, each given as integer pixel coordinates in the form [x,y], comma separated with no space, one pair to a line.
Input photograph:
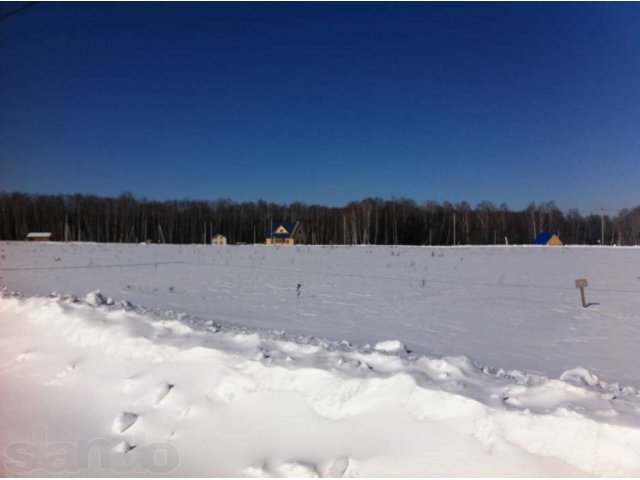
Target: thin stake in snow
[581,283]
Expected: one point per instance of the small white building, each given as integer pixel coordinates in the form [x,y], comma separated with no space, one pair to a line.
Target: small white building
[219,240]
[38,236]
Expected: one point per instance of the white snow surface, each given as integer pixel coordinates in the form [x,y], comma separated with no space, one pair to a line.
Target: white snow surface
[483,361]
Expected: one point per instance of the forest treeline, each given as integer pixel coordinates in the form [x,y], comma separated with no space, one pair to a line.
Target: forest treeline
[369,221]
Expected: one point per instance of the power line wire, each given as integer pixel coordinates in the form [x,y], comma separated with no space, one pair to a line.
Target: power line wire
[17,10]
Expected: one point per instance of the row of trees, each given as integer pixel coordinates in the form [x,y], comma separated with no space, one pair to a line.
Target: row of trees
[370,221]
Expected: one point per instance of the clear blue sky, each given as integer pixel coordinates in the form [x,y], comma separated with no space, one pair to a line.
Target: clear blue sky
[324,103]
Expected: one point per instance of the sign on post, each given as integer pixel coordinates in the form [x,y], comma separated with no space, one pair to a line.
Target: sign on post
[582,283]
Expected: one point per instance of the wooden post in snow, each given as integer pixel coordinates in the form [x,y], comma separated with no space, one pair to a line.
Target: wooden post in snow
[582,283]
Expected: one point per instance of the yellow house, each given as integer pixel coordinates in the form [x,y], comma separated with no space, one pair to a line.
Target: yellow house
[286,234]
[219,240]
[547,238]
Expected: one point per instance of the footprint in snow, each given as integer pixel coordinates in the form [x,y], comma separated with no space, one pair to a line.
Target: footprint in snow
[124,421]
[336,468]
[161,392]
[124,447]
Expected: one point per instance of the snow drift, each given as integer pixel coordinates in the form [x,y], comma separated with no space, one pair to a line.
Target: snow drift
[96,387]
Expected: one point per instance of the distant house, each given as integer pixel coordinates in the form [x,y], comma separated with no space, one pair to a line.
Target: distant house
[38,236]
[547,238]
[286,234]
[219,240]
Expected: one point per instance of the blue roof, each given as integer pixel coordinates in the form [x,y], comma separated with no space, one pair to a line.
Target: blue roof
[289,227]
[543,238]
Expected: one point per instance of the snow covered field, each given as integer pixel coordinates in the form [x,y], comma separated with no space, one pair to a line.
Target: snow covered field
[386,361]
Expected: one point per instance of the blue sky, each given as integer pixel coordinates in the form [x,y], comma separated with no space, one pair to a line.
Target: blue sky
[325,102]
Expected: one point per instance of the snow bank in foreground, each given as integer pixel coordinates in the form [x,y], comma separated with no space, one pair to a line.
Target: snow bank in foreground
[126,392]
